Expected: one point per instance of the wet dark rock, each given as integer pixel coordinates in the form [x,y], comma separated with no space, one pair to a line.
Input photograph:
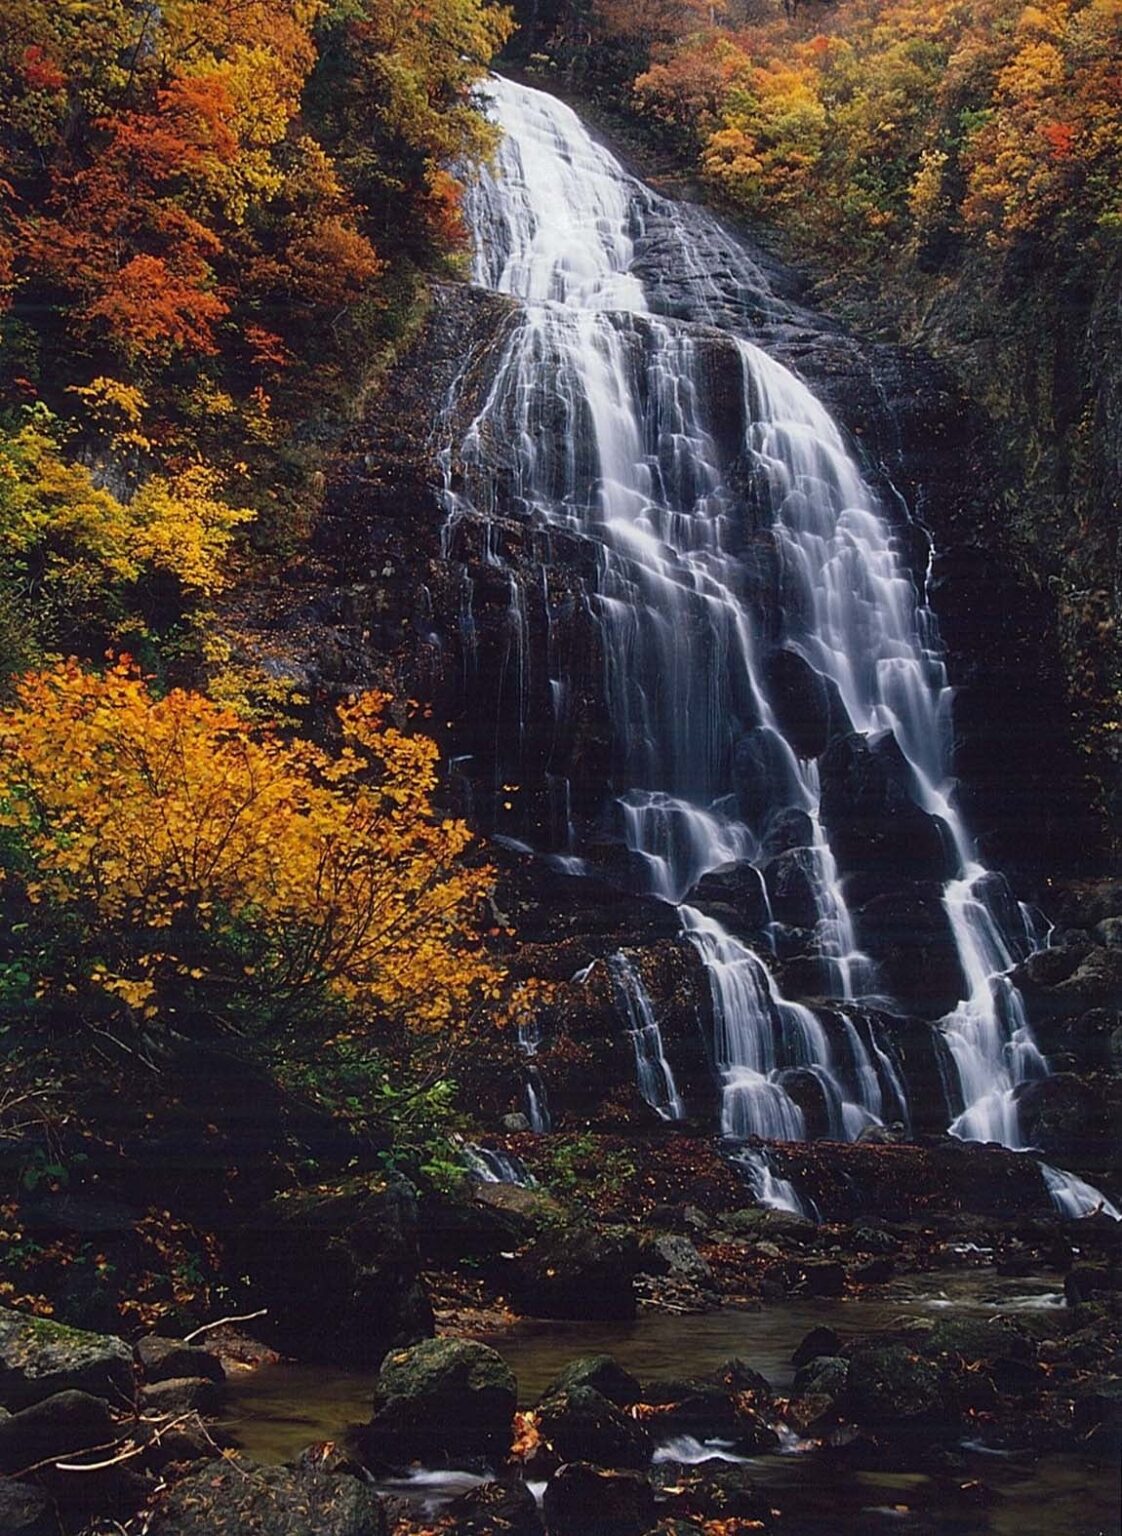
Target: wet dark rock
[39,1358]
[805,1088]
[243,1499]
[582,1500]
[789,829]
[973,1339]
[166,1359]
[25,1510]
[850,1181]
[177,1395]
[500,1508]
[1073,1119]
[339,1269]
[716,1490]
[735,895]
[441,1397]
[826,1376]
[892,1390]
[873,1272]
[60,1426]
[1088,1282]
[801,698]
[762,1221]
[671,1254]
[704,1408]
[577,1272]
[822,1277]
[580,1424]
[603,1375]
[817,1343]
[870,808]
[791,884]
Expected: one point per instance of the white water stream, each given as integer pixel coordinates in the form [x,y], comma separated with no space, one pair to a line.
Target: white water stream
[610,430]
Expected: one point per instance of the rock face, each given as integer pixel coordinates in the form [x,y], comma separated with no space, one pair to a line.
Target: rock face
[577,1272]
[441,1397]
[340,1267]
[254,1500]
[39,1358]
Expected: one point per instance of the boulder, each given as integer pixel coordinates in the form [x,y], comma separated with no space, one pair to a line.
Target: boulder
[167,1359]
[891,1390]
[1071,1119]
[815,1344]
[731,1405]
[25,1510]
[789,829]
[978,1338]
[442,1397]
[339,1269]
[792,884]
[801,699]
[735,894]
[59,1427]
[39,1358]
[717,1490]
[580,1424]
[501,1508]
[826,1376]
[183,1394]
[245,1499]
[671,1254]
[582,1500]
[577,1272]
[603,1375]
[870,808]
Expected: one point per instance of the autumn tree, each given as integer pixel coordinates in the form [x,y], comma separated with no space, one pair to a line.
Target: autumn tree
[186,873]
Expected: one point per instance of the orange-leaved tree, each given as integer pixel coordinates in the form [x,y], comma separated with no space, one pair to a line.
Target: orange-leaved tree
[186,871]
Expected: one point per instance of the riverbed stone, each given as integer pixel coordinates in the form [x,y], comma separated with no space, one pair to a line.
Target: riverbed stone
[717,1490]
[242,1498]
[167,1359]
[500,1508]
[39,1357]
[442,1396]
[601,1373]
[583,1500]
[818,1342]
[580,1424]
[892,1390]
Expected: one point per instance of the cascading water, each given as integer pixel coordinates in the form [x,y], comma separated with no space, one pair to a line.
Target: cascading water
[611,431]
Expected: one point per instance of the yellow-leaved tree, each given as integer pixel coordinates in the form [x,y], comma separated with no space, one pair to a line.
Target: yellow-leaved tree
[191,872]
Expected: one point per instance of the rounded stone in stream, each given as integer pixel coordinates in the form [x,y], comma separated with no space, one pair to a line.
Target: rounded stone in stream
[183,1394]
[818,1342]
[577,1272]
[580,1424]
[442,1397]
[978,1338]
[582,1500]
[603,1375]
[495,1509]
[892,1390]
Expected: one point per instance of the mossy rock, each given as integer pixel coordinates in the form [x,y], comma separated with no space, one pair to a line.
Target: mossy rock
[602,1374]
[39,1357]
[443,1396]
[891,1389]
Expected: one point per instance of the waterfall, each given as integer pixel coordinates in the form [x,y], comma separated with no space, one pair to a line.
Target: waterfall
[652,1070]
[616,432]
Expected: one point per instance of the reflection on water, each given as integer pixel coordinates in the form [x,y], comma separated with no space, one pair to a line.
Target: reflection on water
[279,1410]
